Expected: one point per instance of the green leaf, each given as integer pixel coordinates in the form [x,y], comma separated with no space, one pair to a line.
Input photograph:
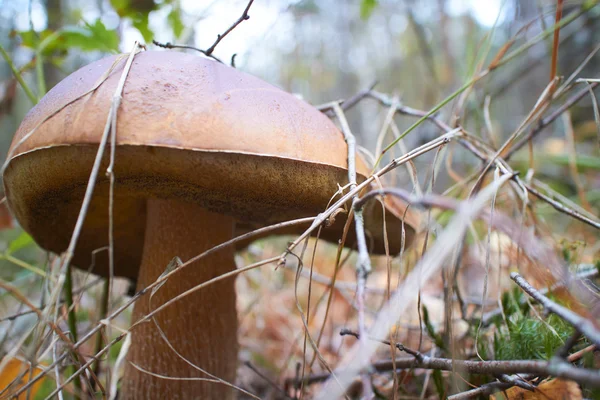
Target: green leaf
[29,39]
[140,22]
[438,340]
[47,386]
[22,241]
[129,8]
[137,11]
[46,38]
[86,37]
[438,381]
[366,8]
[174,19]
[91,37]
[583,162]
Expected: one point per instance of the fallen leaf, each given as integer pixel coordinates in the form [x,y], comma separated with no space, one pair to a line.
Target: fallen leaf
[554,389]
[19,369]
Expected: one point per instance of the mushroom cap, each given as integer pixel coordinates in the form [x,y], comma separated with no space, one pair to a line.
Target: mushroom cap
[188,128]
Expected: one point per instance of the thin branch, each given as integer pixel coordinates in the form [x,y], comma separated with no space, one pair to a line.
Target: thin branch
[347,104]
[501,163]
[483,390]
[562,208]
[395,163]
[505,382]
[416,354]
[386,101]
[209,52]
[169,45]
[426,200]
[588,273]
[363,262]
[555,367]
[220,37]
[268,380]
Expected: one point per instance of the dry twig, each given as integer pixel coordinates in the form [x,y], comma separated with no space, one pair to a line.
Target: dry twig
[209,52]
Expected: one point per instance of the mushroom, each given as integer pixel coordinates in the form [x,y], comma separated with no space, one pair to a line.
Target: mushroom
[200,147]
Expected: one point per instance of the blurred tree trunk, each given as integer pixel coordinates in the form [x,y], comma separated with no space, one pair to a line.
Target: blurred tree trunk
[55,14]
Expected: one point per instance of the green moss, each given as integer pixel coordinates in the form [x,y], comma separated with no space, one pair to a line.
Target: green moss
[531,338]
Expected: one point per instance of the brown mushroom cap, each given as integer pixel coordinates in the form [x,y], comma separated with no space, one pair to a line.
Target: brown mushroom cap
[188,128]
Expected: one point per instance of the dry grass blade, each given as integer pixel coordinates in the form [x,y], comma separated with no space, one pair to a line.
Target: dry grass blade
[119,363]
[572,152]
[590,89]
[541,105]
[554,61]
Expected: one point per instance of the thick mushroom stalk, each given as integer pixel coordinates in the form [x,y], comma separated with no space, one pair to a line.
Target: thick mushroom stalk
[202,327]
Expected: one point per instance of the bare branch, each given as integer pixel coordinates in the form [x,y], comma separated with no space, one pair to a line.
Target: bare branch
[209,52]
[555,367]
[220,37]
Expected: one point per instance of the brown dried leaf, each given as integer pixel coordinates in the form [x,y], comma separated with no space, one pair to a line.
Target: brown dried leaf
[17,373]
[553,389]
[501,54]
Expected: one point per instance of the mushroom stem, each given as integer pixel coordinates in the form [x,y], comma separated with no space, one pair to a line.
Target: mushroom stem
[202,327]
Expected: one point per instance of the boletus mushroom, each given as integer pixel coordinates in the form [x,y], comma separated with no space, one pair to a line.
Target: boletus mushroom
[200,146]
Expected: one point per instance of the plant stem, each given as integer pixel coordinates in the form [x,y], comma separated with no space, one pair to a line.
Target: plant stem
[72,322]
[18,76]
[39,70]
[103,312]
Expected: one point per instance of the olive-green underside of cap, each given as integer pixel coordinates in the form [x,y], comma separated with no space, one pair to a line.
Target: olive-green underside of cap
[45,189]
[188,129]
